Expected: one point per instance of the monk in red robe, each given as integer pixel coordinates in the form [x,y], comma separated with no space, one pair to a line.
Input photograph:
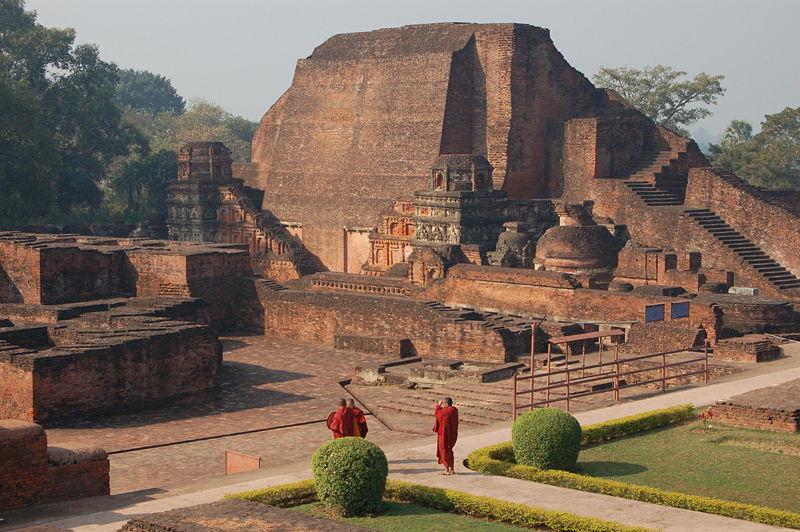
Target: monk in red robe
[446,429]
[342,422]
[360,420]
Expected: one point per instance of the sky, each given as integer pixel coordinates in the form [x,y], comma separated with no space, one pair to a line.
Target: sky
[241,54]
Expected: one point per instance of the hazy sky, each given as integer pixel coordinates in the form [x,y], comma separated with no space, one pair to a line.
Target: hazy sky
[241,53]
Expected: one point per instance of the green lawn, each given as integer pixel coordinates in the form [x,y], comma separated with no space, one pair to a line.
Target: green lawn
[741,465]
[402,516]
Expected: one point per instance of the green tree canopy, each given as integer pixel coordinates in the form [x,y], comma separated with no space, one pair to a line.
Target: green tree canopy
[771,158]
[144,91]
[660,92]
[59,123]
[201,121]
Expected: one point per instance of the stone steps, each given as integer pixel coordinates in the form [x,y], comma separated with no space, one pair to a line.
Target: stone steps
[767,267]
[651,195]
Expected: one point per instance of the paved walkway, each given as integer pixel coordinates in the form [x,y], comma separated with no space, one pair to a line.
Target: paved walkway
[414,464]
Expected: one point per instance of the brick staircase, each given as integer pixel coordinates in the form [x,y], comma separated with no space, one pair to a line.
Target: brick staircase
[651,163]
[272,284]
[654,181]
[651,195]
[767,267]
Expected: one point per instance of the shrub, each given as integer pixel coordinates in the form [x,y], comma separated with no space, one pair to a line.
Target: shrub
[546,438]
[451,501]
[350,476]
[625,426]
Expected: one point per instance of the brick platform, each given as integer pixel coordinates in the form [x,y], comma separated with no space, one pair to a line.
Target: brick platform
[748,348]
[775,408]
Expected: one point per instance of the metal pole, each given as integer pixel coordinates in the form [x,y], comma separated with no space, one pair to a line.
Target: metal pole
[705,364]
[663,371]
[616,372]
[533,360]
[583,348]
[514,400]
[549,369]
[567,385]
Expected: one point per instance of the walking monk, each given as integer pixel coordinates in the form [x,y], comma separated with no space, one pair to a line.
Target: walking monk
[342,422]
[360,420]
[446,429]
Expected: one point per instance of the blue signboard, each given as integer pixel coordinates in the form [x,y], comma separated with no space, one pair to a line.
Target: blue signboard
[654,313]
[680,310]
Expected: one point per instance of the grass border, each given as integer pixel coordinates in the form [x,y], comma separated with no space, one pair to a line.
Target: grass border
[451,501]
[499,460]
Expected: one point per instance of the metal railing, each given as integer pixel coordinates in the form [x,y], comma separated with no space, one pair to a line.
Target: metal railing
[578,377]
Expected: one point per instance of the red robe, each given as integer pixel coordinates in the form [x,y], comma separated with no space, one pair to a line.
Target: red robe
[361,422]
[446,428]
[342,422]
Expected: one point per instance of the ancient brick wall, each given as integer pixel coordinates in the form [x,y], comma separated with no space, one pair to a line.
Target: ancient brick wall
[23,463]
[79,274]
[19,273]
[319,317]
[27,478]
[75,481]
[16,392]
[222,280]
[752,417]
[128,374]
[112,378]
[526,292]
[754,215]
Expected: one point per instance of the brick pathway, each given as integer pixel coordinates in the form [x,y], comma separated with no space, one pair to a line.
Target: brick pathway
[264,383]
[178,465]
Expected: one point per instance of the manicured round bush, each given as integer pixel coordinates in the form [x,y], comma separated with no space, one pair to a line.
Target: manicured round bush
[546,438]
[350,476]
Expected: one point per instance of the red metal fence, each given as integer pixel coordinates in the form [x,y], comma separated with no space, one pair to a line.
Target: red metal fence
[567,379]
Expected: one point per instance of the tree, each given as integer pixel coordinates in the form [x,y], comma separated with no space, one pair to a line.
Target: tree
[202,121]
[661,94]
[59,123]
[771,158]
[144,91]
[140,183]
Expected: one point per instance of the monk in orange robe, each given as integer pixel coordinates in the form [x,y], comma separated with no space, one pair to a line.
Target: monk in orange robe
[360,420]
[342,422]
[446,429]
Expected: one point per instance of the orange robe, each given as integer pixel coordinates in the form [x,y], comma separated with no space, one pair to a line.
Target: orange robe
[342,422]
[446,429]
[360,421]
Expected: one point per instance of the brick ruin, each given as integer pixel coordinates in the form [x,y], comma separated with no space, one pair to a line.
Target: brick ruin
[437,192]
[33,473]
[775,408]
[90,325]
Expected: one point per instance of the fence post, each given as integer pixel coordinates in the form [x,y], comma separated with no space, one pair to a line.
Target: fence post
[533,358]
[663,371]
[616,372]
[705,364]
[514,400]
[549,369]
[567,385]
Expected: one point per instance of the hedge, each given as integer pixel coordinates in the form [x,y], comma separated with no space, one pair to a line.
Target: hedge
[499,460]
[625,426]
[450,501]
